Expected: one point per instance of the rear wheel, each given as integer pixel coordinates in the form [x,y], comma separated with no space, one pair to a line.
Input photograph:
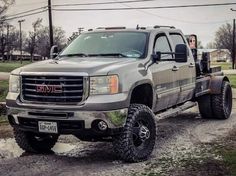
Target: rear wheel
[222,103]
[137,140]
[205,107]
[217,106]
[36,143]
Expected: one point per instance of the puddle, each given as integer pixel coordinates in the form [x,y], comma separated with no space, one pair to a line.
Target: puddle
[63,147]
[10,149]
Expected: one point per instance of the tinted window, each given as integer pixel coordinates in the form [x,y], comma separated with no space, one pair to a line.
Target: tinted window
[162,45]
[177,39]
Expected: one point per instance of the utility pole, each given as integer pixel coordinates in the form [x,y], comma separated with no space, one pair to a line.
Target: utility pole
[20,21]
[233,47]
[50,22]
[7,41]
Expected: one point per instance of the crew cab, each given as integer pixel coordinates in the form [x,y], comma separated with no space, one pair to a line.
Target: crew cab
[110,84]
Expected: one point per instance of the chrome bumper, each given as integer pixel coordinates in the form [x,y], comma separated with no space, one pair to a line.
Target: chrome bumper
[114,118]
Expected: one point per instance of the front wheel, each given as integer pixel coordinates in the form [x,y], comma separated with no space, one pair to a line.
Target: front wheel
[33,142]
[137,139]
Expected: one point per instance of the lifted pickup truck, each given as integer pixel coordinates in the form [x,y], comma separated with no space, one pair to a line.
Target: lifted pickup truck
[109,85]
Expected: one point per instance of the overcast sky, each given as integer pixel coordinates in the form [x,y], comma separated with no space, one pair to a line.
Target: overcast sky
[203,21]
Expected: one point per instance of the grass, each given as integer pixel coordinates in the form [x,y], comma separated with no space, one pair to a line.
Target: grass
[9,66]
[3,90]
[232,79]
[224,65]
[229,158]
[3,119]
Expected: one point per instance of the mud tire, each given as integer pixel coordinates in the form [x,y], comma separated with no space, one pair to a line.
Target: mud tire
[125,145]
[222,103]
[217,106]
[205,107]
[34,143]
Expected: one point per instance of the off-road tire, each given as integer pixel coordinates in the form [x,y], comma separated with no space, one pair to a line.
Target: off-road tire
[222,103]
[124,143]
[34,143]
[205,107]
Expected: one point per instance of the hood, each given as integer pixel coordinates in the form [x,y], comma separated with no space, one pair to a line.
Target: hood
[89,65]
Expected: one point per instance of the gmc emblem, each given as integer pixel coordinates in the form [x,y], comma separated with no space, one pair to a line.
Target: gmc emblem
[49,88]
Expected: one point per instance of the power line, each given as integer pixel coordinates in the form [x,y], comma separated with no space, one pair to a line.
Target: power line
[183,21]
[102,3]
[27,4]
[146,8]
[7,19]
[173,19]
[32,10]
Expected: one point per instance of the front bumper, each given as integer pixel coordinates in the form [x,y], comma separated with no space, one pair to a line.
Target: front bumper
[112,109]
[69,122]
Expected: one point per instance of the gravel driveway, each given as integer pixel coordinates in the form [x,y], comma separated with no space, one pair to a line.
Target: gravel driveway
[177,138]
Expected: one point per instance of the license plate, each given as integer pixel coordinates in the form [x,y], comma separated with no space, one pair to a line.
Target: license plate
[47,127]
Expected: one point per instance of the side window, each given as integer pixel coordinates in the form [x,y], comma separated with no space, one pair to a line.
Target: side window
[177,39]
[162,45]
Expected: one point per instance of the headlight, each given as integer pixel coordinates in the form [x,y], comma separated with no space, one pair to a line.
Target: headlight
[104,85]
[14,84]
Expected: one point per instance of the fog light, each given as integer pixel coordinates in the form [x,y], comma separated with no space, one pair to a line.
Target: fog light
[102,125]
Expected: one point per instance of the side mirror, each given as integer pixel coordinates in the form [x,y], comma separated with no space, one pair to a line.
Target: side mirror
[156,57]
[181,53]
[53,52]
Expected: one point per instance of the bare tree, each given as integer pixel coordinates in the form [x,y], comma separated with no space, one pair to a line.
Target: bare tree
[31,42]
[12,40]
[4,4]
[4,28]
[224,37]
[43,40]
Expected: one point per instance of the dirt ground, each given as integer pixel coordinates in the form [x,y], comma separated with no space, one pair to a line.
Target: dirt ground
[180,142]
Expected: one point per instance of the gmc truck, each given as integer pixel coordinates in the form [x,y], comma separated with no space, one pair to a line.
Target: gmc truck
[110,84]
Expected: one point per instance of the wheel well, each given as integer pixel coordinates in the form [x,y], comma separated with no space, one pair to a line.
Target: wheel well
[226,79]
[142,94]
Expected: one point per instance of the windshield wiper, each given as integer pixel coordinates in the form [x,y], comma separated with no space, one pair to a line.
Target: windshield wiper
[108,54]
[72,55]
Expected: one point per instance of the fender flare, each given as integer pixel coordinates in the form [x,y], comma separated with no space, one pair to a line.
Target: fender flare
[216,82]
[141,82]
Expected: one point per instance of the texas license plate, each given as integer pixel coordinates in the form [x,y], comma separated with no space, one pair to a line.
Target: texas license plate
[47,127]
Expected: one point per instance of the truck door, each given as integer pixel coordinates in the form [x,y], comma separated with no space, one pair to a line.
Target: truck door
[186,71]
[166,87]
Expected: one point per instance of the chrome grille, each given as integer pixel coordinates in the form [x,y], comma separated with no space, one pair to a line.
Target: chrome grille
[71,89]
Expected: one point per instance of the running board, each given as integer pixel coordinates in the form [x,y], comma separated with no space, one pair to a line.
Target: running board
[175,111]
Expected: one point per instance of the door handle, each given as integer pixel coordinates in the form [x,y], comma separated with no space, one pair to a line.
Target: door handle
[175,68]
[191,65]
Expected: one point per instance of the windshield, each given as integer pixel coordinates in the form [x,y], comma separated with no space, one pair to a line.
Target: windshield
[109,44]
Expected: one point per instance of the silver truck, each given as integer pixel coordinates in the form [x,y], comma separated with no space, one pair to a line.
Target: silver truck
[110,84]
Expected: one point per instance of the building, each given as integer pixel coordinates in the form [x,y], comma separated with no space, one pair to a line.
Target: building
[216,55]
[16,55]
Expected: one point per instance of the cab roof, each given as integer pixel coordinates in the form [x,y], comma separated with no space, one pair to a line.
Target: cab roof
[137,29]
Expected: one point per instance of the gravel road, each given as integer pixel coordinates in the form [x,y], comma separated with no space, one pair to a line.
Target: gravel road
[178,138]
